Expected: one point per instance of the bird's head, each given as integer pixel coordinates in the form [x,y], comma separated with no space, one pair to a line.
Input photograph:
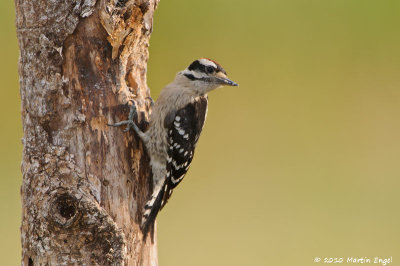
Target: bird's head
[204,75]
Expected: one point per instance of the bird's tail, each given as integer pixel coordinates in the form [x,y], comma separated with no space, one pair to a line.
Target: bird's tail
[152,208]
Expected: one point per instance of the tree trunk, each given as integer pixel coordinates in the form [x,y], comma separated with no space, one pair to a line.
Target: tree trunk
[84,183]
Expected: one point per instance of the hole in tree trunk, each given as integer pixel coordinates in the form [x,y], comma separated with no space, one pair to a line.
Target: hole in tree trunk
[67,210]
[64,209]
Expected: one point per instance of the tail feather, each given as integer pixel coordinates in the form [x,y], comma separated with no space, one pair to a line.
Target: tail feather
[151,209]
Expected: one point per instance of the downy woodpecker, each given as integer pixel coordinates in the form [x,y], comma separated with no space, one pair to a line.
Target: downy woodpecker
[176,122]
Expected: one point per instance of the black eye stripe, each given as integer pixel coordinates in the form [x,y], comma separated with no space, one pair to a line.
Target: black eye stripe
[197,66]
[210,69]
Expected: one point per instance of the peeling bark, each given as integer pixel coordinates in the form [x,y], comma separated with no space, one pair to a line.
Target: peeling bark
[84,183]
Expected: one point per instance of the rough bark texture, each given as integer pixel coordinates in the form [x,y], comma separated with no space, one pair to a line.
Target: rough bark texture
[84,183]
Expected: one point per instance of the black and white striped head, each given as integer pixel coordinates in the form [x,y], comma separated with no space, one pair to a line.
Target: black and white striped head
[205,74]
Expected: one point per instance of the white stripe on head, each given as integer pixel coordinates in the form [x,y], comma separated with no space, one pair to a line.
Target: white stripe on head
[207,62]
[194,73]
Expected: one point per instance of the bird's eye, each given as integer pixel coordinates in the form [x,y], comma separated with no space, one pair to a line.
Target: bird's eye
[210,69]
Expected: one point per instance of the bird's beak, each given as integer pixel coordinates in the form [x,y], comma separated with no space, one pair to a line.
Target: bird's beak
[226,81]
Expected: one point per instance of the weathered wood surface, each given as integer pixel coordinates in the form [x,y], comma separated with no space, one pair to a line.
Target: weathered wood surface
[84,183]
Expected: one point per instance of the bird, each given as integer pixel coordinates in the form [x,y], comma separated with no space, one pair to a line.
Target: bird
[175,124]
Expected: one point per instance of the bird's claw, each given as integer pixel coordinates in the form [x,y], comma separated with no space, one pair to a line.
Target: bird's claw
[128,122]
[151,100]
[132,112]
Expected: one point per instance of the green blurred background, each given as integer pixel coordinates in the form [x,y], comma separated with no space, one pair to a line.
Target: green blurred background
[301,161]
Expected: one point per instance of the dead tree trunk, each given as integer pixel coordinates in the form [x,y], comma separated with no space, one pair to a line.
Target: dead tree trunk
[84,184]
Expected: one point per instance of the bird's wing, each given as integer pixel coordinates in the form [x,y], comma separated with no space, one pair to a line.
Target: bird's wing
[183,135]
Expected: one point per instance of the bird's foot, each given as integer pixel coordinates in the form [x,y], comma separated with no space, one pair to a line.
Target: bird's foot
[130,123]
